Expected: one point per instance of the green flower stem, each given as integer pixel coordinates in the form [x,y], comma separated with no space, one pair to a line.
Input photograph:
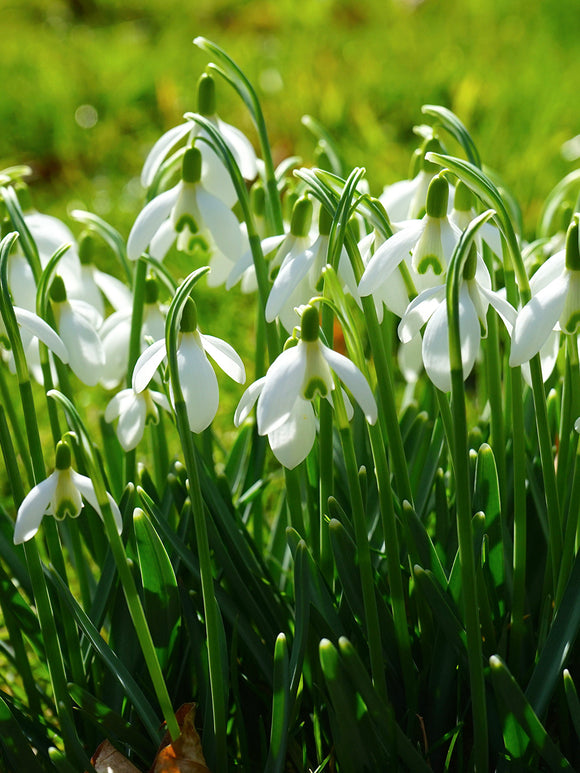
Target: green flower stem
[234,75]
[211,609]
[520,521]
[460,453]
[220,147]
[139,280]
[573,505]
[495,391]
[446,419]
[294,501]
[567,417]
[363,547]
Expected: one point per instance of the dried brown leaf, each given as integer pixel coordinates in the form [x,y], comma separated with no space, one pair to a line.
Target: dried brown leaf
[185,754]
[107,759]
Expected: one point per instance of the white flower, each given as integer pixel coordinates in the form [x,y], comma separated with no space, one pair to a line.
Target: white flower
[294,379]
[214,174]
[196,375]
[134,410]
[115,333]
[430,307]
[77,324]
[429,242]
[188,214]
[300,273]
[59,495]
[555,301]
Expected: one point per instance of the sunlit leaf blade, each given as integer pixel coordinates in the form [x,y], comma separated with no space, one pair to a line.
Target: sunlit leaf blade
[455,127]
[517,704]
[280,708]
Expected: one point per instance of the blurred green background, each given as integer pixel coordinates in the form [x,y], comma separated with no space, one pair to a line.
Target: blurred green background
[88,85]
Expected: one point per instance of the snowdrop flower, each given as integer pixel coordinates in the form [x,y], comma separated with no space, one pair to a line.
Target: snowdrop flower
[61,494]
[134,410]
[94,285]
[555,301]
[188,215]
[115,334]
[215,176]
[430,242]
[295,378]
[196,375]
[405,199]
[430,306]
[393,294]
[463,213]
[77,324]
[301,269]
[284,248]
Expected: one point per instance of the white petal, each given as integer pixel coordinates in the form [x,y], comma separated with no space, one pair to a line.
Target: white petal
[85,350]
[281,388]
[162,241]
[291,441]
[147,364]
[39,328]
[248,400]
[436,342]
[160,399]
[215,176]
[548,358]
[410,359]
[419,311]
[388,256]
[86,488]
[354,380]
[132,422]
[225,356]
[117,293]
[291,273]
[396,198]
[118,404]
[198,383]
[505,310]
[536,320]
[160,150]
[221,223]
[548,272]
[242,149]
[149,220]
[32,509]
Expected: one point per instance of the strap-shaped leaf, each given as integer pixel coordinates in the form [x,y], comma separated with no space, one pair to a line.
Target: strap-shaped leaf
[451,123]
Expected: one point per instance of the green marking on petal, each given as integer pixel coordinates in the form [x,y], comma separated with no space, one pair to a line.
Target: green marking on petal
[430,261]
[186,221]
[66,507]
[315,385]
[572,324]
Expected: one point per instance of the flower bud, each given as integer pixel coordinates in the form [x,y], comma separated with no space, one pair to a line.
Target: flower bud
[63,456]
[206,95]
[437,197]
[310,324]
[301,217]
[191,169]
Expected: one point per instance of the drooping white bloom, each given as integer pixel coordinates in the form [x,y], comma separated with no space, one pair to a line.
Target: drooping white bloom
[134,410]
[189,215]
[115,334]
[32,329]
[430,306]
[77,325]
[284,411]
[300,274]
[215,176]
[555,302]
[429,242]
[196,375]
[60,495]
